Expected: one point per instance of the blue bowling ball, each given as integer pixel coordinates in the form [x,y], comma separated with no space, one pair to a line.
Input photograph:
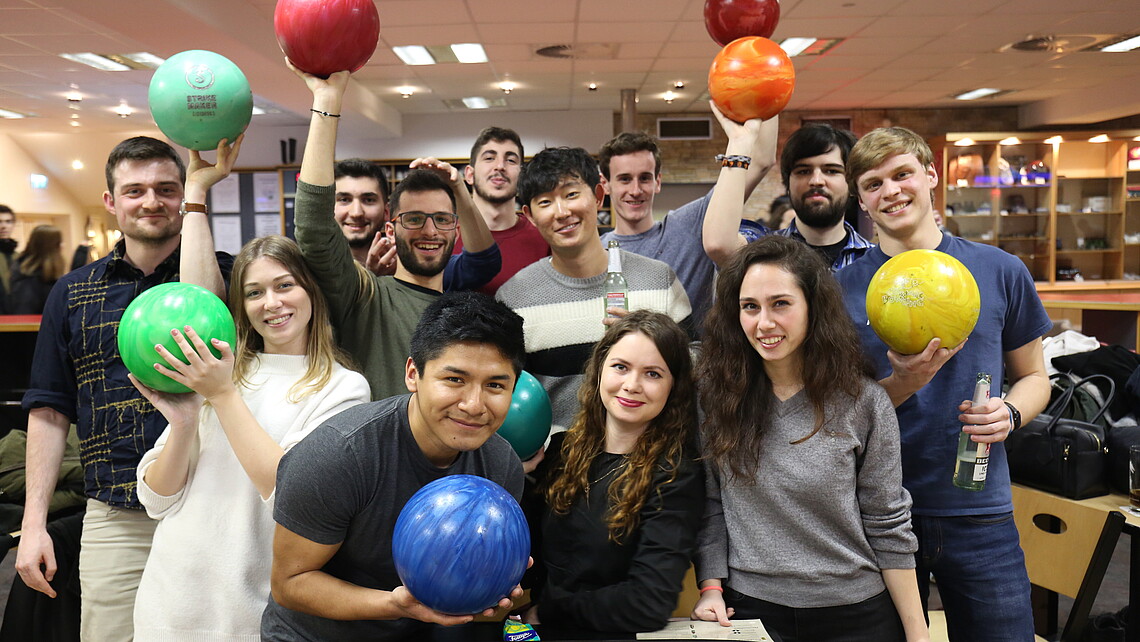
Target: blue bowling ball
[461,544]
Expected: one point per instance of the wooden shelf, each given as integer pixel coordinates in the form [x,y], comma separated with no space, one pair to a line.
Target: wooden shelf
[1014,239]
[1112,212]
[1104,251]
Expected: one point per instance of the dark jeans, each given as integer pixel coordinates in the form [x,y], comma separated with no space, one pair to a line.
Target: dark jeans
[980,570]
[872,620]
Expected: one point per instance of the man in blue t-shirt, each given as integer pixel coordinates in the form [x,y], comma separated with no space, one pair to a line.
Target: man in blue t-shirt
[967,539]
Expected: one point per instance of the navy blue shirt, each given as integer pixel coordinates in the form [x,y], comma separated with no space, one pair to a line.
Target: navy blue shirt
[78,372]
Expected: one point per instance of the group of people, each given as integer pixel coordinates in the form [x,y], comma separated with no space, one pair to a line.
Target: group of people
[813,491]
[26,277]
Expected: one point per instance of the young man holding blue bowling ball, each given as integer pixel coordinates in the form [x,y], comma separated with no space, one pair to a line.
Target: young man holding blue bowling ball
[341,489]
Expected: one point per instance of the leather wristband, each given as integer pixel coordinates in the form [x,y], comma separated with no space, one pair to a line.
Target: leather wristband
[1014,416]
[191,207]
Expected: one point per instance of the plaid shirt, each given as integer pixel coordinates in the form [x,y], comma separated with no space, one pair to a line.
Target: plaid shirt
[78,372]
[856,246]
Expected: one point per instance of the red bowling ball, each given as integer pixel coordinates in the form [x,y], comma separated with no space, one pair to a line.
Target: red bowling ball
[727,20]
[322,37]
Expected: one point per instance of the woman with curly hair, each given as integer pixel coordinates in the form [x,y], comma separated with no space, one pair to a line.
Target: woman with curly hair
[618,499]
[808,525]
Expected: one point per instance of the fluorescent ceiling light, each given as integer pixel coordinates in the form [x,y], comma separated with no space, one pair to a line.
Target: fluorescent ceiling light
[8,113]
[1123,45]
[469,52]
[1012,140]
[977,93]
[77,164]
[414,55]
[796,46]
[1053,140]
[476,102]
[964,142]
[96,61]
[145,58]
[257,111]
[1101,138]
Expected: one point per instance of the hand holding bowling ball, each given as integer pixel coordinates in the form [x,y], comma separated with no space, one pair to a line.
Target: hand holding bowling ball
[197,98]
[751,78]
[148,322]
[919,295]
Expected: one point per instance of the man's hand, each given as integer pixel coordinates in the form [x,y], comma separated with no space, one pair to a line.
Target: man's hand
[381,259]
[201,175]
[333,86]
[910,372]
[410,607]
[613,315]
[36,551]
[449,173]
[710,608]
[989,423]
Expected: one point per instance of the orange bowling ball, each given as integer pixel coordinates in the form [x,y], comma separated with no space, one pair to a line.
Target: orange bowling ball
[919,295]
[751,77]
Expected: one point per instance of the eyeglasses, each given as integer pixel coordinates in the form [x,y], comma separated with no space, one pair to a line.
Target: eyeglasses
[416,220]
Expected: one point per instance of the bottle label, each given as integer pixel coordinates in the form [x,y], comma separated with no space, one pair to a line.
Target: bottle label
[616,300]
[982,462]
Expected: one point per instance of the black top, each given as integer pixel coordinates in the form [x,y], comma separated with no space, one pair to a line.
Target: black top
[582,579]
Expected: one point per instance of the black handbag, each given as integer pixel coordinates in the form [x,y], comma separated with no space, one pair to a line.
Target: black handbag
[1066,457]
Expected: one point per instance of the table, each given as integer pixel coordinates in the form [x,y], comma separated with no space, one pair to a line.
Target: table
[19,322]
[1113,502]
[1111,318]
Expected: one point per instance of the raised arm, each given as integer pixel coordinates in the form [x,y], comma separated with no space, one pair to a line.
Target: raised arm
[476,235]
[197,262]
[755,139]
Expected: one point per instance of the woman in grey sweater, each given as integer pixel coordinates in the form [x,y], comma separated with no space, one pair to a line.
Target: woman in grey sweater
[807,525]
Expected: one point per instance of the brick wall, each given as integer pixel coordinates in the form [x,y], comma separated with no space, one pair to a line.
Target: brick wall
[691,161]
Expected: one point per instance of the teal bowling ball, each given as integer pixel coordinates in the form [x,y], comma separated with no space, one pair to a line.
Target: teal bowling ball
[149,319]
[528,421]
[198,97]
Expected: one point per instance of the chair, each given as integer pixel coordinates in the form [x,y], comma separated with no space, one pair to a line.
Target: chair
[1067,549]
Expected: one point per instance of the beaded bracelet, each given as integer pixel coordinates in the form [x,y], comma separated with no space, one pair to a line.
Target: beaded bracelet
[324,113]
[734,161]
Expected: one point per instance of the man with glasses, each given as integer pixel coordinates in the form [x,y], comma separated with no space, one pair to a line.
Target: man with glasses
[374,316]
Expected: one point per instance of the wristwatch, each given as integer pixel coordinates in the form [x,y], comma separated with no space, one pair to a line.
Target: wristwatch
[191,207]
[1014,416]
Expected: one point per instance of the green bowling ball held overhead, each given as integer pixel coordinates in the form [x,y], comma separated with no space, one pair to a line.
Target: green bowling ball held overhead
[148,322]
[198,98]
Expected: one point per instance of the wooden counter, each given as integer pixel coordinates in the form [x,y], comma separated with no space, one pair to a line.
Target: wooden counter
[1110,317]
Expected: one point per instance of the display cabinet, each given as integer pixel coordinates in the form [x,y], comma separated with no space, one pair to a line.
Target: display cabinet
[1057,201]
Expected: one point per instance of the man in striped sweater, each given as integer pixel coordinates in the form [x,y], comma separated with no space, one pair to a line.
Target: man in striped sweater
[561,298]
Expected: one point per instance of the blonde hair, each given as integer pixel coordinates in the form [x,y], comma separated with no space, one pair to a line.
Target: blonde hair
[880,144]
[320,348]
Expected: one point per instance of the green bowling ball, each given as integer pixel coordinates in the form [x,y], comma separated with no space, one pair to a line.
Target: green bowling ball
[198,97]
[528,421]
[149,319]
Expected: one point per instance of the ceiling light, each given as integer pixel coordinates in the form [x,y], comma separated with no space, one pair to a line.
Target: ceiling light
[469,52]
[1124,45]
[406,91]
[1054,140]
[507,86]
[414,55]
[77,164]
[680,84]
[1137,138]
[592,86]
[124,110]
[1100,138]
[96,61]
[977,93]
[476,102]
[74,96]
[964,142]
[1012,140]
[258,111]
[75,123]
[8,113]
[796,46]
[669,96]
[145,58]
[75,115]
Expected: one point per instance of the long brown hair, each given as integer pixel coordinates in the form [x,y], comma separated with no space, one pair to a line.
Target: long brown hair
[42,255]
[320,348]
[659,448]
[736,394]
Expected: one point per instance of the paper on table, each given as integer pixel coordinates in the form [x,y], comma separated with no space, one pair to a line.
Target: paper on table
[746,630]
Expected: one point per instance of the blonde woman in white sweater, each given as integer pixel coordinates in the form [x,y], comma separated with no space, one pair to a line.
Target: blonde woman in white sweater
[211,476]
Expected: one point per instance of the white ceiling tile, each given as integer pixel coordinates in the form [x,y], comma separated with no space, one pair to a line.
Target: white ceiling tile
[514,11]
[621,32]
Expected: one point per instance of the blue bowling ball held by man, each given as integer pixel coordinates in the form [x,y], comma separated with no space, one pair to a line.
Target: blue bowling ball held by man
[340,491]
